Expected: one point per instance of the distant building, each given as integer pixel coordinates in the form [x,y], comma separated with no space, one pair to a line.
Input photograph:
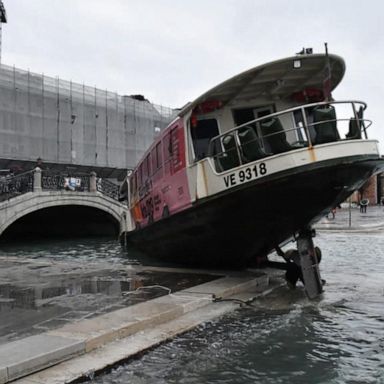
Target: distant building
[380,188]
[373,190]
[69,126]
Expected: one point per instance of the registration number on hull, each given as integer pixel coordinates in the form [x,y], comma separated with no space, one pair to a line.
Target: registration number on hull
[245,174]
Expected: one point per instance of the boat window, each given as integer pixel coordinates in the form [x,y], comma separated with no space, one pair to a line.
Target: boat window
[243,115]
[202,131]
[145,168]
[132,182]
[153,161]
[149,164]
[167,152]
[140,175]
[298,119]
[310,121]
[167,147]
[159,156]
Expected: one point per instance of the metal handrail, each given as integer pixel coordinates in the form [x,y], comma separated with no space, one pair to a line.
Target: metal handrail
[363,125]
[301,108]
[108,188]
[12,186]
[52,181]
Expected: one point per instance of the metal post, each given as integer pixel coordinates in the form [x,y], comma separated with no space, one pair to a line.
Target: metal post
[106,127]
[350,211]
[309,264]
[306,128]
[37,180]
[92,182]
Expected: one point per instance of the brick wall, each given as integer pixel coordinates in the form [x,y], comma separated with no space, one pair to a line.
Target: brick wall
[369,190]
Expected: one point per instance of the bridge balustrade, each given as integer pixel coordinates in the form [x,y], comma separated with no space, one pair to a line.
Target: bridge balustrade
[52,181]
[107,188]
[37,180]
[12,186]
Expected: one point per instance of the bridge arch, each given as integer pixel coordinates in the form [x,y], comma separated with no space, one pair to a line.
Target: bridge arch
[19,207]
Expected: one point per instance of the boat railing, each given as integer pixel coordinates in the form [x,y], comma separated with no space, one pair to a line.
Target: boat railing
[299,127]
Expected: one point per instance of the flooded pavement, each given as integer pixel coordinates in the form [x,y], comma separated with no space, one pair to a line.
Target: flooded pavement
[284,338]
[350,218]
[281,338]
[49,284]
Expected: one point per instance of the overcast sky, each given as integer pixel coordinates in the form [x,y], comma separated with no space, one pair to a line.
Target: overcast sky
[171,51]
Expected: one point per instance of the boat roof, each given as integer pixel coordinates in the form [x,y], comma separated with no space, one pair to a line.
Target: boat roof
[279,79]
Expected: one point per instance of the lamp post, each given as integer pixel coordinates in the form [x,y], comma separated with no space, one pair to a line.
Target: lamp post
[350,211]
[3,19]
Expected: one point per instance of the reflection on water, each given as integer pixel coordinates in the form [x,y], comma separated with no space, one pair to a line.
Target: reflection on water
[87,249]
[337,339]
[47,284]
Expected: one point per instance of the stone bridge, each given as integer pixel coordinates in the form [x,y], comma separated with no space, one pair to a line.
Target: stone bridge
[39,191]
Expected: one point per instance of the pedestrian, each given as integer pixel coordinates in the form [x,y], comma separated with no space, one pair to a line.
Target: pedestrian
[363,205]
[332,213]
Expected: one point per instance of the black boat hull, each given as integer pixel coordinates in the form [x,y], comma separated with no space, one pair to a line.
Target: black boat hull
[234,228]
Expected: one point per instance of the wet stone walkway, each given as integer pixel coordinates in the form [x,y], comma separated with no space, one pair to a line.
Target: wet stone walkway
[352,219]
[40,295]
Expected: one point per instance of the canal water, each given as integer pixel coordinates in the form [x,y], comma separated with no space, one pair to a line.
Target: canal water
[281,338]
[284,338]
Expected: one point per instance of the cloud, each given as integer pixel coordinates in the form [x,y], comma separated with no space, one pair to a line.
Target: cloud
[172,51]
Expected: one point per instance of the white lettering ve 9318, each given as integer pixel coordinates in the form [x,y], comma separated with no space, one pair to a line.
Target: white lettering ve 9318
[244,175]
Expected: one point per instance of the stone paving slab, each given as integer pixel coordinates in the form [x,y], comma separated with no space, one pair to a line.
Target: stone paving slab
[3,375]
[149,323]
[121,350]
[35,352]
[228,286]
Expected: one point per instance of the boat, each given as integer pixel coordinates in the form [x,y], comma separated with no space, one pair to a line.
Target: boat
[250,164]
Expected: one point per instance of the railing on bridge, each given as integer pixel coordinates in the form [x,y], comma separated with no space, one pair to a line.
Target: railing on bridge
[38,180]
[53,181]
[12,186]
[108,188]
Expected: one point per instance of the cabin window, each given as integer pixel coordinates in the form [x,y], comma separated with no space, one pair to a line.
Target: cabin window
[167,149]
[140,175]
[145,169]
[153,161]
[242,116]
[299,124]
[134,184]
[159,156]
[202,131]
[149,164]
[167,146]
[174,144]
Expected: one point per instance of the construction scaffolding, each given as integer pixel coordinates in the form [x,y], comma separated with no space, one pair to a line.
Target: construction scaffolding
[62,122]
